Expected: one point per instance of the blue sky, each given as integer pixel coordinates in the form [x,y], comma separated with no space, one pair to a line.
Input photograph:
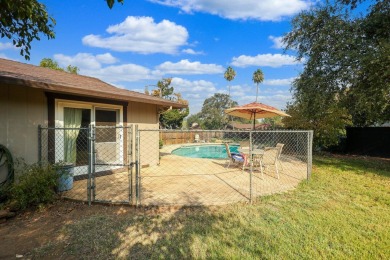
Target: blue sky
[193,41]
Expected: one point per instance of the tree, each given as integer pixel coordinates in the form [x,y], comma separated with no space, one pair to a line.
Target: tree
[22,21]
[164,90]
[195,118]
[213,111]
[172,118]
[328,126]
[51,64]
[346,73]
[274,122]
[229,75]
[212,116]
[111,3]
[257,78]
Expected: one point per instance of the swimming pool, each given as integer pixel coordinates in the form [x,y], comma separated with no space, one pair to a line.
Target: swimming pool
[205,151]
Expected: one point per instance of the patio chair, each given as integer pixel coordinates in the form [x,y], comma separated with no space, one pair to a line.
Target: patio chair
[280,147]
[235,157]
[197,138]
[270,157]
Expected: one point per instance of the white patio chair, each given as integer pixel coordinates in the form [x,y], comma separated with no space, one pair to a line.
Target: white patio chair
[280,147]
[270,157]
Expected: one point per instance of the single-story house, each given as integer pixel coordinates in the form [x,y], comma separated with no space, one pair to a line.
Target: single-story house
[31,96]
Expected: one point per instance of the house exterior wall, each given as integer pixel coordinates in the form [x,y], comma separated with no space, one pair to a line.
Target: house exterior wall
[22,109]
[146,117]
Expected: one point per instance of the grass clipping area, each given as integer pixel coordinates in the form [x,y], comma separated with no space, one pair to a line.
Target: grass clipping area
[342,212]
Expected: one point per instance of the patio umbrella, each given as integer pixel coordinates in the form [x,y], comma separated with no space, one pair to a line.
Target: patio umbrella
[255,111]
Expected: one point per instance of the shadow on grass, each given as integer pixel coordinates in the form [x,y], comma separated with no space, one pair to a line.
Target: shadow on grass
[180,234]
[357,164]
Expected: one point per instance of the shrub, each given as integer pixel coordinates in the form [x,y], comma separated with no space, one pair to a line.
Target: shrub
[160,143]
[35,184]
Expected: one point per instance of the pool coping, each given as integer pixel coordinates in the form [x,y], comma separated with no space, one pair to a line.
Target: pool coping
[169,148]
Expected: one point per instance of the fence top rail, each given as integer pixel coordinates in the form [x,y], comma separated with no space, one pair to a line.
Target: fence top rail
[118,126]
[224,131]
[178,130]
[79,128]
[63,128]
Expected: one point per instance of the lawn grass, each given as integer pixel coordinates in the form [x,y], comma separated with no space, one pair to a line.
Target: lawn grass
[343,212]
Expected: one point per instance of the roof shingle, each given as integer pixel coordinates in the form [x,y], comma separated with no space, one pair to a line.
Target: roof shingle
[12,72]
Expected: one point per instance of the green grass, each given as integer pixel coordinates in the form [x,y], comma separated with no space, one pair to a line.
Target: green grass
[343,212]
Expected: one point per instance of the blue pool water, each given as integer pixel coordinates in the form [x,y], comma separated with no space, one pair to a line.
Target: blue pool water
[205,151]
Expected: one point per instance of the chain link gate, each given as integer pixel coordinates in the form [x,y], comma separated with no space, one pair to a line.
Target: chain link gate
[112,161]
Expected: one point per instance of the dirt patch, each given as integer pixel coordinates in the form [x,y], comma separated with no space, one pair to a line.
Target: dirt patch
[34,228]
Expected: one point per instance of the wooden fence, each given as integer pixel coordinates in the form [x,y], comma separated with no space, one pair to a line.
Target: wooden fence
[190,137]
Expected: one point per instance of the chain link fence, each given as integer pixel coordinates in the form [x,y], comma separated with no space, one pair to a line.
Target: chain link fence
[124,164]
[68,146]
[220,167]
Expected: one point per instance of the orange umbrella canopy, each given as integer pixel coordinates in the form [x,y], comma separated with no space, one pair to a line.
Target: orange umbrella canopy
[255,111]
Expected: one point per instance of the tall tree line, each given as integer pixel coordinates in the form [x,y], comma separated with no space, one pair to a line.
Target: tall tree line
[346,76]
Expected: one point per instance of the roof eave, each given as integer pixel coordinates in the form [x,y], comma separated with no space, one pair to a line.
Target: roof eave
[82,92]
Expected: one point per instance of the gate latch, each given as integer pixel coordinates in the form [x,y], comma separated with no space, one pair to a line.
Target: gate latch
[132,164]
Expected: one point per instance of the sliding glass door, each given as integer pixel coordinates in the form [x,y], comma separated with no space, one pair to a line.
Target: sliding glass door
[71,144]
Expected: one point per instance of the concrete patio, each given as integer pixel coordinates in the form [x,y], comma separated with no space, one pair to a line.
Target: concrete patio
[194,181]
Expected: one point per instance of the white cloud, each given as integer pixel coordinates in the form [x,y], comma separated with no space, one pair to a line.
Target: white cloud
[121,73]
[141,35]
[189,68]
[278,100]
[85,60]
[194,91]
[279,82]
[265,60]
[264,10]
[238,91]
[197,86]
[278,43]
[192,52]
[93,65]
[106,58]
[7,46]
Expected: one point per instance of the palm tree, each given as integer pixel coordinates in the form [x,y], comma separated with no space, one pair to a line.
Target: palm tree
[229,75]
[258,77]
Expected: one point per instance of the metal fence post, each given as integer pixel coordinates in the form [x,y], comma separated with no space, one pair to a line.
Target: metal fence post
[251,166]
[39,144]
[89,182]
[93,162]
[309,153]
[130,161]
[137,167]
